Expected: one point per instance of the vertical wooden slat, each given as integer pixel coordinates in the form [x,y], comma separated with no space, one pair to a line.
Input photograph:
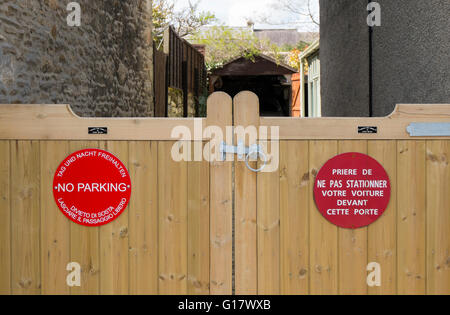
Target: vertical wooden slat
[143,216]
[221,199]
[198,228]
[5,219]
[411,218]
[352,243]
[268,205]
[172,194]
[382,244]
[55,227]
[114,247]
[438,217]
[25,217]
[85,243]
[246,113]
[294,217]
[323,235]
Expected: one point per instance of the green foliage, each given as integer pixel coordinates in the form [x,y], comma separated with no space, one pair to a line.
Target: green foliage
[224,44]
[301,46]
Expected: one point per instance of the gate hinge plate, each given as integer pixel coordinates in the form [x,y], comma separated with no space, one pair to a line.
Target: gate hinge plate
[429,129]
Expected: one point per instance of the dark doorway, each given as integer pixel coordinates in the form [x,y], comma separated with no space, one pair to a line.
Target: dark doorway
[264,76]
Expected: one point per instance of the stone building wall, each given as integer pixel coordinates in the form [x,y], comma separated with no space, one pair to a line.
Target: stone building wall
[102,68]
[408,54]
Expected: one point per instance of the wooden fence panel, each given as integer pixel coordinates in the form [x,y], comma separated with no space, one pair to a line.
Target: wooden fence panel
[143,217]
[5,219]
[411,218]
[114,247]
[172,196]
[410,241]
[294,217]
[186,70]
[25,217]
[245,219]
[160,82]
[221,201]
[198,228]
[85,243]
[323,239]
[438,217]
[55,228]
[352,244]
[176,236]
[268,219]
[382,234]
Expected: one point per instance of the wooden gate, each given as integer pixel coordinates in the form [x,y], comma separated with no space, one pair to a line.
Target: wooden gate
[176,236]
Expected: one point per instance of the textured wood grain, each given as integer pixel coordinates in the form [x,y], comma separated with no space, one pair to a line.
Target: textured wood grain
[25,217]
[412,217]
[172,203]
[5,219]
[114,237]
[143,217]
[352,243]
[55,227]
[246,118]
[221,201]
[198,228]
[323,245]
[438,217]
[382,234]
[85,243]
[294,217]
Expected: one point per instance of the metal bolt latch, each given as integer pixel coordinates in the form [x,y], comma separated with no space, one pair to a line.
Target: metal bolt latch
[255,151]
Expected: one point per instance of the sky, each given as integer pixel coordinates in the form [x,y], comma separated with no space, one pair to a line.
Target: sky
[237,12]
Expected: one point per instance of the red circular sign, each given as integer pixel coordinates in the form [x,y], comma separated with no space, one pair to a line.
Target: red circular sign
[92,187]
[352,190]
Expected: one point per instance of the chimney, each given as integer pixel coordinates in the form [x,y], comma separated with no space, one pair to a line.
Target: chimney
[251,24]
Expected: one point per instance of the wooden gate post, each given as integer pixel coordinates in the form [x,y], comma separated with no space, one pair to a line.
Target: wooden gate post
[221,201]
[246,115]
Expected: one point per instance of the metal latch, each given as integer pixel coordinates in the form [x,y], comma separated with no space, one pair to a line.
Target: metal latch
[255,151]
[429,129]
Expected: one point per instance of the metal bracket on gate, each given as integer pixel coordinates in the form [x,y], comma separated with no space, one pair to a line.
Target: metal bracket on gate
[429,129]
[243,152]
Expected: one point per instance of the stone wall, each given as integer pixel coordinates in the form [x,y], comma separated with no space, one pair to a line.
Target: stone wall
[175,103]
[102,68]
[411,54]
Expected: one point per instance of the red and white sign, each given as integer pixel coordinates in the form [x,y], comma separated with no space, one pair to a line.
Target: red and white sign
[352,190]
[92,187]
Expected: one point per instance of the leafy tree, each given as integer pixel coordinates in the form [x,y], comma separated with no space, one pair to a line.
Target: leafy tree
[223,44]
[186,21]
